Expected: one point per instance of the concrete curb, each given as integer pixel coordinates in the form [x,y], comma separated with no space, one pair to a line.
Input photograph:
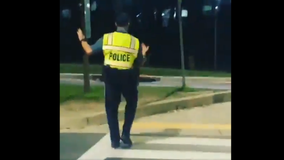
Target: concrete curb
[160,107]
[194,77]
[152,78]
[95,77]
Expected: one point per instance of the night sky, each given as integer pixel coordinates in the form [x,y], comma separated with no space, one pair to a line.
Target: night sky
[160,32]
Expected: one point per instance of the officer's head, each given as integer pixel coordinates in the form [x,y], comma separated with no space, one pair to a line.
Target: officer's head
[122,20]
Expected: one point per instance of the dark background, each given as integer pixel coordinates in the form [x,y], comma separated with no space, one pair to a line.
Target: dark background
[198,31]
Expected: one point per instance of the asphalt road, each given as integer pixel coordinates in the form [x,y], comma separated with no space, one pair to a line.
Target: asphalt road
[168,83]
[88,146]
[96,146]
[73,145]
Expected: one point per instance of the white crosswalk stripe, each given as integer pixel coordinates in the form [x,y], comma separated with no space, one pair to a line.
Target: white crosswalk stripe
[194,141]
[169,148]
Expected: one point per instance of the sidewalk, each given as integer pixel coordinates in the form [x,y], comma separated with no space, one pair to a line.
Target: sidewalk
[222,79]
[213,120]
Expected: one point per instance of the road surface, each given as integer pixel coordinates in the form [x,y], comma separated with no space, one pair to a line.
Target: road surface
[88,146]
[167,83]
[201,133]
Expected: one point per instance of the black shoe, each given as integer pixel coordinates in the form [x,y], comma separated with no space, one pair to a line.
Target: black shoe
[126,142]
[115,145]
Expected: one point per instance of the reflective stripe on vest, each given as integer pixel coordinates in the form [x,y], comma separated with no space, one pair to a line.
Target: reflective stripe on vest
[129,50]
[111,47]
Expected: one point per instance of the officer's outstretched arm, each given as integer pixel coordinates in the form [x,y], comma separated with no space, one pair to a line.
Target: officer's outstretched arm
[141,57]
[87,48]
[139,61]
[93,49]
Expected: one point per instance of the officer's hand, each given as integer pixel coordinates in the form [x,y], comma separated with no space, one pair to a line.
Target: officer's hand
[80,34]
[144,49]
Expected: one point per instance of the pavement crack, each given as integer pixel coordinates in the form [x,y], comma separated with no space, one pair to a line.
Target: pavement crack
[87,121]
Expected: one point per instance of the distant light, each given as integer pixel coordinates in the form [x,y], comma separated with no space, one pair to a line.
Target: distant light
[166,13]
[94,6]
[216,7]
[184,13]
[207,8]
[88,5]
[66,13]
[138,15]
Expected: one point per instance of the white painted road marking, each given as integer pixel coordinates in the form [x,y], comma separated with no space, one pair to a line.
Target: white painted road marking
[98,151]
[103,150]
[164,155]
[193,141]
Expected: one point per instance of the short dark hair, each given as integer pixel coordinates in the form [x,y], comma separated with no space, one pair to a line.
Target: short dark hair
[122,19]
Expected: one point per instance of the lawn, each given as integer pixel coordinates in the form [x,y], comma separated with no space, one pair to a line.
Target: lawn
[75,92]
[97,69]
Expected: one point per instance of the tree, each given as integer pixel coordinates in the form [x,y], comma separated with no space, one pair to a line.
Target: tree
[86,66]
[178,13]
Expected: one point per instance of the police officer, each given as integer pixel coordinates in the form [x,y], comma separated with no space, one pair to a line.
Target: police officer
[123,55]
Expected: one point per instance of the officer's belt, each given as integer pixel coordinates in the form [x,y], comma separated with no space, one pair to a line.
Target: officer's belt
[118,67]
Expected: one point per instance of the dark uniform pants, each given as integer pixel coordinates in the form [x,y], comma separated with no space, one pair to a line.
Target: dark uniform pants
[117,83]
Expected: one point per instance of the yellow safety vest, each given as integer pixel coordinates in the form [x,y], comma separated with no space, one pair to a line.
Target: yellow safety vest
[120,50]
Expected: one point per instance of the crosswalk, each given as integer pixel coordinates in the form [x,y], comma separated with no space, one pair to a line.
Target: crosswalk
[163,148]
